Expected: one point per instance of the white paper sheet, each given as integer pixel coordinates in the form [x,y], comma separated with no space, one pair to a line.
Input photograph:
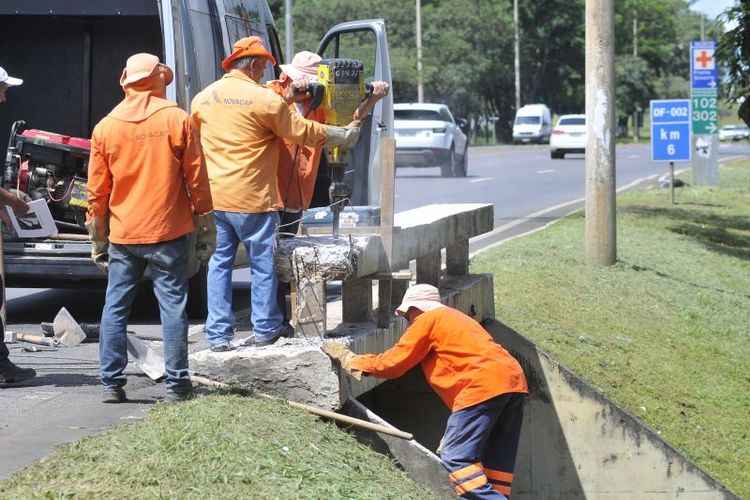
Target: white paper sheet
[36,223]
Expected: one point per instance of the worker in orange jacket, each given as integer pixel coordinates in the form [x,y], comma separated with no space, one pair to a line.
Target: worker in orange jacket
[482,384]
[299,164]
[147,191]
[240,121]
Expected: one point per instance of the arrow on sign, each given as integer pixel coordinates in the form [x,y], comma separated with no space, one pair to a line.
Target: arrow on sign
[711,127]
[712,84]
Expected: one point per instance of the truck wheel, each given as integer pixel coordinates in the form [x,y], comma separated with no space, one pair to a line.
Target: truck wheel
[197,306]
[449,167]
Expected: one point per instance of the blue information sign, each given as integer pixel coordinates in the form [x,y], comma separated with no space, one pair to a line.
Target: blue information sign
[670,130]
[703,71]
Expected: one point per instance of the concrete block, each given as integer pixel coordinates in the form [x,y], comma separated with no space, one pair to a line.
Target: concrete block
[309,309]
[357,300]
[294,369]
[429,268]
[457,258]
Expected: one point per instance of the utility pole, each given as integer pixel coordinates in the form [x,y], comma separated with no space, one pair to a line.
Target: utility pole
[517,53]
[420,86]
[636,131]
[289,29]
[601,235]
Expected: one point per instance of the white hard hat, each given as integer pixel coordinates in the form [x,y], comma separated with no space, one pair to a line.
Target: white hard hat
[9,80]
[423,297]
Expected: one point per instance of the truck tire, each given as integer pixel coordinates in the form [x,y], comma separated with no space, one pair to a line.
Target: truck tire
[197,306]
[448,168]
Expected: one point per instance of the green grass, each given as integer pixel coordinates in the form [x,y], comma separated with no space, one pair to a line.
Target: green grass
[666,331]
[216,447]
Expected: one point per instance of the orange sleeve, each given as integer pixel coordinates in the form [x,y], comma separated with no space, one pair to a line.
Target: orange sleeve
[413,346]
[194,167]
[99,182]
[291,126]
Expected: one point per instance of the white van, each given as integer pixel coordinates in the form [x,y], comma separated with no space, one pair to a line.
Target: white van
[533,123]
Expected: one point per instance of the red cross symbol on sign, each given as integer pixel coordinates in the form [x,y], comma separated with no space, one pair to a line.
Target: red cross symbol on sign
[704,58]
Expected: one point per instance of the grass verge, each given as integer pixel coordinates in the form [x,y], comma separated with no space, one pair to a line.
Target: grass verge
[666,331]
[218,447]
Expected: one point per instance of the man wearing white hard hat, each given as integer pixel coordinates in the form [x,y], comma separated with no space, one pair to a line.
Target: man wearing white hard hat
[9,372]
[299,164]
[482,384]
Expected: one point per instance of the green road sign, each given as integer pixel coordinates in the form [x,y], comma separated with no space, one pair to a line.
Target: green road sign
[705,111]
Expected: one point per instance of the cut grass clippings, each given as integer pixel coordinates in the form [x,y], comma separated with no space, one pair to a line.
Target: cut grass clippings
[666,331]
[217,447]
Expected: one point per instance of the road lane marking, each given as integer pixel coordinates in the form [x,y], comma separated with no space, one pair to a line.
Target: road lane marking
[548,171]
[544,211]
[482,179]
[633,157]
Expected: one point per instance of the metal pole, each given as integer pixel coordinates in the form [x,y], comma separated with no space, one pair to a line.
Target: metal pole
[600,234]
[671,182]
[703,27]
[635,54]
[289,30]
[517,53]
[420,87]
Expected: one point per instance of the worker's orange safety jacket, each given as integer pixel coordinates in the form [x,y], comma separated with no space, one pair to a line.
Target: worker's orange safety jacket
[298,165]
[146,171]
[459,359]
[240,121]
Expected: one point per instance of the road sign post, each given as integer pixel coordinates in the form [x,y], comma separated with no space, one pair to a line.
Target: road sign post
[671,132]
[704,91]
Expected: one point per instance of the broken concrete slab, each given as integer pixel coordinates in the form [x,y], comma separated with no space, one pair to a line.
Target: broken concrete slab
[326,258]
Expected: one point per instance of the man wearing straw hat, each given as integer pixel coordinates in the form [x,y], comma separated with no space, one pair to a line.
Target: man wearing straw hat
[147,190]
[482,384]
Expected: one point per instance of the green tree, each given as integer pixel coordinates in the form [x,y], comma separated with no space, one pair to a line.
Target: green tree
[734,52]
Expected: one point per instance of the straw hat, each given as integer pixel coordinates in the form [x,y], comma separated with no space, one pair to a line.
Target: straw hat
[423,297]
[140,66]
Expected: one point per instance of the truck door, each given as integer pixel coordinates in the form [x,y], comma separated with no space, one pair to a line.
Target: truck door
[199,34]
[367,42]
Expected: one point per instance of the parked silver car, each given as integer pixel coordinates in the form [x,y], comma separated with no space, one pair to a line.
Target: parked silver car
[427,135]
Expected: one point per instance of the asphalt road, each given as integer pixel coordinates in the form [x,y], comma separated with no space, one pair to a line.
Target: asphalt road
[527,188]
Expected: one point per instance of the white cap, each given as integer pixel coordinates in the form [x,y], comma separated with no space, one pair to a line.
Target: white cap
[423,297]
[9,80]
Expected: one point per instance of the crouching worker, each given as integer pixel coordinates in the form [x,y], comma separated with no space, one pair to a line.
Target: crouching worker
[482,384]
[147,190]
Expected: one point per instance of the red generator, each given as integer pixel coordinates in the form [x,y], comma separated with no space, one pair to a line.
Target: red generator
[53,167]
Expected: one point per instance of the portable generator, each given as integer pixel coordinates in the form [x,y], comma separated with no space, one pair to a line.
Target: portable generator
[53,167]
[339,90]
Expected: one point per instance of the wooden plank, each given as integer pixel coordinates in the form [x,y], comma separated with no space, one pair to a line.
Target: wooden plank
[387,197]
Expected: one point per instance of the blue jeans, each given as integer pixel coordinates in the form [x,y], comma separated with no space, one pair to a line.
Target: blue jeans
[258,233]
[127,263]
[480,444]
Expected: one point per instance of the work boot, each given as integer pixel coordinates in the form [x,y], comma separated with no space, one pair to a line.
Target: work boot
[11,374]
[252,342]
[178,397]
[222,347]
[114,395]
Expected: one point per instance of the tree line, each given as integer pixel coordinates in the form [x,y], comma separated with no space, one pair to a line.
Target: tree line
[468,51]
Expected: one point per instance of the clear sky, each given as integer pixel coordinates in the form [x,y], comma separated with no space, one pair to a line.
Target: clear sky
[712,8]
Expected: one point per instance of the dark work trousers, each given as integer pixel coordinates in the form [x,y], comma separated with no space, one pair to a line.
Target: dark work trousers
[3,349]
[480,444]
[290,225]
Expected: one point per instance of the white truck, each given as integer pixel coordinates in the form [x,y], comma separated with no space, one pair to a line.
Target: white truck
[70,55]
